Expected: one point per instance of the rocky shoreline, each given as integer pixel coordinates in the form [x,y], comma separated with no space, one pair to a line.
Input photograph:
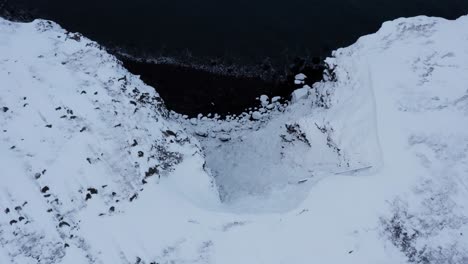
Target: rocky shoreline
[192,90]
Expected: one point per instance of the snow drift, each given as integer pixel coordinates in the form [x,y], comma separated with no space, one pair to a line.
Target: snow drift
[368,166]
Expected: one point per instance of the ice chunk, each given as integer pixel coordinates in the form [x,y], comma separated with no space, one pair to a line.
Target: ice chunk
[264,100]
[275,99]
[299,94]
[300,77]
[256,115]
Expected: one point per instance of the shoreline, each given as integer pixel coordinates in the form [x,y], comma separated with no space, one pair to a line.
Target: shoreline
[203,89]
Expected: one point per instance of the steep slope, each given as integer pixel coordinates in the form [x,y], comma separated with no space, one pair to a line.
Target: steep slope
[93,170]
[80,136]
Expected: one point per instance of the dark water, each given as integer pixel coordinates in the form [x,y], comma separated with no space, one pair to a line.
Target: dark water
[246,29]
[266,35]
[192,91]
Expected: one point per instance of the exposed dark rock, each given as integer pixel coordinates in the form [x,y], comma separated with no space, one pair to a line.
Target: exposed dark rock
[168,133]
[63,223]
[74,36]
[133,197]
[151,171]
[45,189]
[295,130]
[92,190]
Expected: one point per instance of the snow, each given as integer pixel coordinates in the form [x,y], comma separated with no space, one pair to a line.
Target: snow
[274,99]
[264,100]
[256,115]
[369,167]
[300,94]
[300,77]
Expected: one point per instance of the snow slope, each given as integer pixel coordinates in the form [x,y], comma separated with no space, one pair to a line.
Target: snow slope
[370,166]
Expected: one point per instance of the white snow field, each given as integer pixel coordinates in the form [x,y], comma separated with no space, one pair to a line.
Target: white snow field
[368,166]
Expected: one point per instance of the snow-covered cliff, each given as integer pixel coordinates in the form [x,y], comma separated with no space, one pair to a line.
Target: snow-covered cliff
[368,166]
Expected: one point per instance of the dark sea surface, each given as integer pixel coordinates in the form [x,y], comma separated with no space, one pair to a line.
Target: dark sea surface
[248,29]
[229,32]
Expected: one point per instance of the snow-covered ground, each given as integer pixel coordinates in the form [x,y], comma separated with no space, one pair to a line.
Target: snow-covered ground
[368,166]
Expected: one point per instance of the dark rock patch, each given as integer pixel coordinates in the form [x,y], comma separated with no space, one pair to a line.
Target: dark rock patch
[92,190]
[63,223]
[151,171]
[133,197]
[44,189]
